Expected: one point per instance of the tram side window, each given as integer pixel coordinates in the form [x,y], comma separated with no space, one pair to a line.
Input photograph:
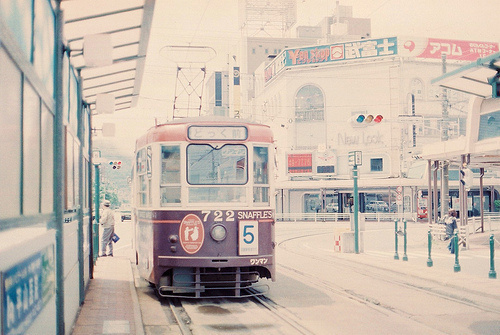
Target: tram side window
[261,174]
[142,178]
[170,175]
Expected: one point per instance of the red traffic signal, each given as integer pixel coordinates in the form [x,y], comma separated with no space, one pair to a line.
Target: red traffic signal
[363,120]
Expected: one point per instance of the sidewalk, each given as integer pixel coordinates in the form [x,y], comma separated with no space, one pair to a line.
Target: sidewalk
[474,262]
[111,305]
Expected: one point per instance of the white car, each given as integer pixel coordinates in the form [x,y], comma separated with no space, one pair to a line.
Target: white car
[377,206]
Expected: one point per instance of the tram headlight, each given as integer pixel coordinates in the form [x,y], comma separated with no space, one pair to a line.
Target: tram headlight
[218,233]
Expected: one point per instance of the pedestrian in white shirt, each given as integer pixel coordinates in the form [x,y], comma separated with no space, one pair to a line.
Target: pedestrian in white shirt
[108,223]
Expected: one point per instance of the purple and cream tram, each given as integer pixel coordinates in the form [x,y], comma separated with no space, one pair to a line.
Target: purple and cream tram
[203,207]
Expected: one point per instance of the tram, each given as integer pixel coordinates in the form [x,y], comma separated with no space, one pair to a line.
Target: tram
[204,207]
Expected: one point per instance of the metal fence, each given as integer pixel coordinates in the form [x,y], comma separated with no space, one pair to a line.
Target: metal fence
[329,217]
[491,220]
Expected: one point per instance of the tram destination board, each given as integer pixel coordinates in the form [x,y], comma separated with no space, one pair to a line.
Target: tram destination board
[220,133]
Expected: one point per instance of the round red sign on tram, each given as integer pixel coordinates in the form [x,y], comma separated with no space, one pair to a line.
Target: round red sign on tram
[191,233]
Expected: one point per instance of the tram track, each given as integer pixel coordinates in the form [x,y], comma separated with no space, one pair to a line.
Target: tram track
[278,319]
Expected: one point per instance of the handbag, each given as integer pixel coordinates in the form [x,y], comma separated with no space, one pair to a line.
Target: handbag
[115,238]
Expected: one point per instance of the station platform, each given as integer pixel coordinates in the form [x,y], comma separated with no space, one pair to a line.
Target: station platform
[118,302]
[111,305]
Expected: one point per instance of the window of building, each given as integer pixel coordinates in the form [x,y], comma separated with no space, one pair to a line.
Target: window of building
[376,164]
[309,104]
[10,137]
[417,88]
[31,151]
[47,174]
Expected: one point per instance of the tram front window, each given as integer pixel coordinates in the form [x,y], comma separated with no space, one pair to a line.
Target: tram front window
[212,168]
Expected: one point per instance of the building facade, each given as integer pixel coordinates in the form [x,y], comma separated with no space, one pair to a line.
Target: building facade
[313,97]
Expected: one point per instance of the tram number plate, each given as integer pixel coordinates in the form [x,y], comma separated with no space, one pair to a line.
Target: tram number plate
[248,237]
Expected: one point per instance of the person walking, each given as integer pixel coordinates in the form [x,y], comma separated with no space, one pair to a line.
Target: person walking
[451,225]
[108,224]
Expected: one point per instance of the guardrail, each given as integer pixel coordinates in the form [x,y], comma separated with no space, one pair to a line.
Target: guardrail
[491,221]
[383,216]
[323,217]
[329,217]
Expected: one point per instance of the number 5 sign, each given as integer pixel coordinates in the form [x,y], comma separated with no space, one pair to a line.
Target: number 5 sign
[248,237]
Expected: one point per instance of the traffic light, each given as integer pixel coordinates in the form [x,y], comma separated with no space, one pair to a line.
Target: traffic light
[115,164]
[363,120]
[467,178]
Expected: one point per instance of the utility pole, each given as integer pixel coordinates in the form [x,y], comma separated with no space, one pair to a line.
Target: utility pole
[445,189]
[355,160]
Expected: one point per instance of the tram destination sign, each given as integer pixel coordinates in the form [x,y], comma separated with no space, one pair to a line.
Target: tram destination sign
[218,133]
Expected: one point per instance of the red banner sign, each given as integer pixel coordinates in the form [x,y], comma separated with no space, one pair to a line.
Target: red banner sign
[453,49]
[299,163]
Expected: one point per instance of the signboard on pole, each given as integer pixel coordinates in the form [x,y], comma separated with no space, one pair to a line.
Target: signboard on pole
[355,158]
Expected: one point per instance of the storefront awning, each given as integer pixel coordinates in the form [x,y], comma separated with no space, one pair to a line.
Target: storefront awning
[475,78]
[128,23]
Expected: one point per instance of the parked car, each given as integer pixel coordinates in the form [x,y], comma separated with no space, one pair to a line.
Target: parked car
[126,213]
[331,208]
[377,206]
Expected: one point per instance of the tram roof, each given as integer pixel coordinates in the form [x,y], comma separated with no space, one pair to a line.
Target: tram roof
[177,130]
[129,24]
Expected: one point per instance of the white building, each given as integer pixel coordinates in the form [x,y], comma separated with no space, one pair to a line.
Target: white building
[311,94]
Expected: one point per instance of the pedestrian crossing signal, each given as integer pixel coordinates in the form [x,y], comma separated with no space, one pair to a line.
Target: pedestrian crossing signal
[115,165]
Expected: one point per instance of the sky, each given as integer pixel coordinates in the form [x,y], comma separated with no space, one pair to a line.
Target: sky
[214,23]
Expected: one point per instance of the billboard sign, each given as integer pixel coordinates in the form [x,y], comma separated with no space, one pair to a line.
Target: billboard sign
[331,53]
[432,48]
[298,164]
